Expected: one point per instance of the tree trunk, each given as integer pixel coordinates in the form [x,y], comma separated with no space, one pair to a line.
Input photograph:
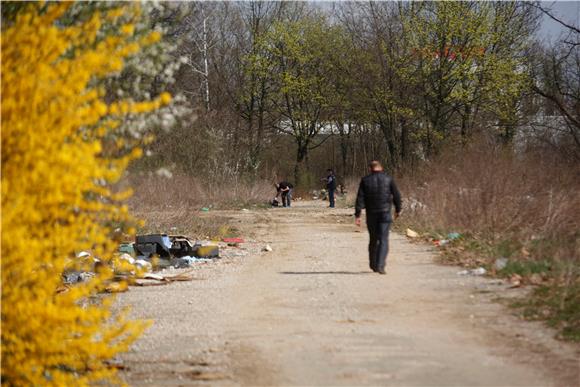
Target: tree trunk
[404,141]
[301,161]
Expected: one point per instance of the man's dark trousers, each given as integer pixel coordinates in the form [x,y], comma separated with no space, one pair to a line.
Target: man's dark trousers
[378,224]
[331,196]
[287,198]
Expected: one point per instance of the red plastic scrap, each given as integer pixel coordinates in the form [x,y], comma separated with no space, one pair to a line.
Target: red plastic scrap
[233,240]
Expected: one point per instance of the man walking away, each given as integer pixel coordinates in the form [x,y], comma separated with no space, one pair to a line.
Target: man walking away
[331,186]
[376,192]
[286,193]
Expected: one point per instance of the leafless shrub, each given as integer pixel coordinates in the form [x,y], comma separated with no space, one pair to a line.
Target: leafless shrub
[489,190]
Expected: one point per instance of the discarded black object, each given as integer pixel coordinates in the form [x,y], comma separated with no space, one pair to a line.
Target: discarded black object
[171,246]
[153,244]
[182,246]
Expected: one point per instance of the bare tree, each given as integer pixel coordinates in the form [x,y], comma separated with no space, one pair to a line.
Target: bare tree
[557,77]
[201,38]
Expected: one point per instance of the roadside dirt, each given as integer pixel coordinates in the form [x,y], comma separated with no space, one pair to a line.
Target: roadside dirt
[311,313]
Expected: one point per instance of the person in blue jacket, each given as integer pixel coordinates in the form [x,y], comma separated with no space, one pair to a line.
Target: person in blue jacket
[330,186]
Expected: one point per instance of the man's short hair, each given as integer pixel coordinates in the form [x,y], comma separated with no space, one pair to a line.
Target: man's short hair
[375,164]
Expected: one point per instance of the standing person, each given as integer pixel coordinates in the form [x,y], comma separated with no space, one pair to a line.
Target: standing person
[331,186]
[285,190]
[376,193]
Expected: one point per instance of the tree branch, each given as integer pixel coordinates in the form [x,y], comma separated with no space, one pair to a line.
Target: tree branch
[546,12]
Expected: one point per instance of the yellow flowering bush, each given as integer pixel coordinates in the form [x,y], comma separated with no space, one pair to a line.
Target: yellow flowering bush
[57,170]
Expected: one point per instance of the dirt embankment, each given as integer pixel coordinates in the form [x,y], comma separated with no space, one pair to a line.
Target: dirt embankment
[311,313]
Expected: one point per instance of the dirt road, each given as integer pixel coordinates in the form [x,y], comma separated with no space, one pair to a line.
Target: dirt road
[311,313]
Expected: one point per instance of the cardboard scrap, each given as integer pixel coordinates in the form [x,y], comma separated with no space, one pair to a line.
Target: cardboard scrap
[151,279]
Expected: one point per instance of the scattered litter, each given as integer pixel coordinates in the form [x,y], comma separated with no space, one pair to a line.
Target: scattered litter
[128,258]
[411,234]
[151,279]
[179,277]
[117,287]
[164,172]
[245,210]
[153,276]
[414,204]
[479,271]
[516,281]
[204,209]
[85,256]
[476,272]
[147,282]
[128,248]
[500,263]
[181,262]
[233,240]
[86,275]
[440,243]
[143,264]
[207,252]
[71,278]
[186,261]
[267,248]
[453,235]
[74,277]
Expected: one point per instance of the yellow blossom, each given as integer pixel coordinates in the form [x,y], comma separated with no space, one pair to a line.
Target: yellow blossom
[56,201]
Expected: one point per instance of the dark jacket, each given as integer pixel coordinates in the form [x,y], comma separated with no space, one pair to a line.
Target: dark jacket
[284,184]
[331,182]
[376,192]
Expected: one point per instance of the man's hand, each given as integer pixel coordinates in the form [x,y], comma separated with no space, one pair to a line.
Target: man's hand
[396,215]
[357,221]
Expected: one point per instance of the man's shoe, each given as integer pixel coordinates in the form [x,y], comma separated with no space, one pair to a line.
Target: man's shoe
[381,272]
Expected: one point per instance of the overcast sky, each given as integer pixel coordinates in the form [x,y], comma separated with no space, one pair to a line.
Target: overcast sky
[567,11]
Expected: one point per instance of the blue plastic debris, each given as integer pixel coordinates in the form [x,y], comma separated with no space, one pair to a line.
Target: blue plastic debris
[453,235]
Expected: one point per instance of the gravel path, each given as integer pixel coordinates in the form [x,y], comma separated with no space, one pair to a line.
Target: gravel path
[311,313]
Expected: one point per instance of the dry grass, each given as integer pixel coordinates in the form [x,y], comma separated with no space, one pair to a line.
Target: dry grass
[191,193]
[174,205]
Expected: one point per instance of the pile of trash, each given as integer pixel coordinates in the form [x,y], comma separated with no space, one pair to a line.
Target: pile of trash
[137,260]
[157,259]
[170,250]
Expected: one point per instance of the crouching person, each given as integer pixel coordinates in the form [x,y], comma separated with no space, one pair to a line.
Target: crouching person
[285,190]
